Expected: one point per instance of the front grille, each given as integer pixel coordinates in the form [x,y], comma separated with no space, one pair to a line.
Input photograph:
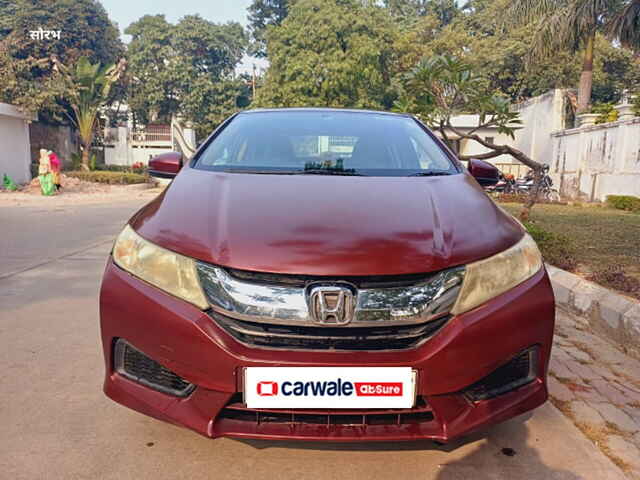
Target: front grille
[519,371]
[235,410]
[135,365]
[371,281]
[329,338]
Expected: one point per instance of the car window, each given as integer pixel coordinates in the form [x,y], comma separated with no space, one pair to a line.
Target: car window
[429,154]
[319,145]
[350,142]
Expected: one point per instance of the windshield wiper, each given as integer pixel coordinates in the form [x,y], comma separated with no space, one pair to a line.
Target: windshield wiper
[430,174]
[326,171]
[258,171]
[309,171]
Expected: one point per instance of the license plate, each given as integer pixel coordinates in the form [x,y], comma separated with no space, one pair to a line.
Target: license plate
[329,387]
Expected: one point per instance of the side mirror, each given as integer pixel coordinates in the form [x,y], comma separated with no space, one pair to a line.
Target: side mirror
[166,165]
[485,173]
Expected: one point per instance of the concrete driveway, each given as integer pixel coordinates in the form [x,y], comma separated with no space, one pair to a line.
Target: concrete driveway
[57,424]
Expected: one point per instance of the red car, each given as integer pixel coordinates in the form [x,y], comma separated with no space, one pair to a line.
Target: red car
[321,274]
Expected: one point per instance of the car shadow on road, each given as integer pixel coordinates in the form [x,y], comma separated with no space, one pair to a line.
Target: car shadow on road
[504,451]
[503,456]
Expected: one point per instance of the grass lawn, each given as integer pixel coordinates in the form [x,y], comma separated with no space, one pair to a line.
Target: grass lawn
[599,238]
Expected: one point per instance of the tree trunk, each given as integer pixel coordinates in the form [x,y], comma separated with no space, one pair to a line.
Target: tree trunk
[445,137]
[85,159]
[586,77]
[533,196]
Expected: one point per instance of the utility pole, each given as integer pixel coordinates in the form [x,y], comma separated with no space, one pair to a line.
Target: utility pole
[253,80]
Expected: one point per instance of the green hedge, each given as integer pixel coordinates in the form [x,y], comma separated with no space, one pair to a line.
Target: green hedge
[120,168]
[606,111]
[112,178]
[624,202]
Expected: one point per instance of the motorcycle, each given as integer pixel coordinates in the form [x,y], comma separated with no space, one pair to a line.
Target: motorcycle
[524,186]
[506,184]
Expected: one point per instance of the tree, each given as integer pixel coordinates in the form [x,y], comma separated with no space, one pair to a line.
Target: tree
[573,24]
[25,68]
[442,86]
[90,85]
[616,70]
[625,26]
[187,69]
[496,52]
[444,10]
[335,53]
[207,55]
[152,85]
[262,14]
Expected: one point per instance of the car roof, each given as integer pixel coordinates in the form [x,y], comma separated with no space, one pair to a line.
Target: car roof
[322,109]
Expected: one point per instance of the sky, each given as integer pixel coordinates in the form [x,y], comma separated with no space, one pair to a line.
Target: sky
[125,12]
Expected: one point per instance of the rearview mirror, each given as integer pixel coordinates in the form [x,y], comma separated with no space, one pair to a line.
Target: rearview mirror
[485,173]
[166,165]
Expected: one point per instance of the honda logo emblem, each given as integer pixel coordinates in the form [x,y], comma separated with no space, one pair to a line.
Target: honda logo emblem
[331,304]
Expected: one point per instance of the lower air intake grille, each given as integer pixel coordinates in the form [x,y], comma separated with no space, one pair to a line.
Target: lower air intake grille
[329,338]
[235,410]
[135,365]
[519,371]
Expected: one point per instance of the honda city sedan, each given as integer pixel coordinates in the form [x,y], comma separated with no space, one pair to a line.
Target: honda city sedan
[320,274]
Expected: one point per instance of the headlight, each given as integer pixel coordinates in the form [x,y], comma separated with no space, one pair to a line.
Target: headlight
[492,276]
[167,270]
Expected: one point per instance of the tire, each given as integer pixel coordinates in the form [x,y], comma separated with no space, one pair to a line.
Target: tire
[553,195]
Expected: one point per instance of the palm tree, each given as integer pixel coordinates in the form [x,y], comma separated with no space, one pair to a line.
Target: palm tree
[625,26]
[573,24]
[89,86]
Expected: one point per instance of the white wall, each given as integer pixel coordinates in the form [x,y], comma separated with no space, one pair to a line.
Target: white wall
[14,144]
[540,117]
[588,163]
[471,147]
[596,161]
[114,156]
[121,151]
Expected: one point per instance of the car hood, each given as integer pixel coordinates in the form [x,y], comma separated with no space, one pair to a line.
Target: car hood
[327,225]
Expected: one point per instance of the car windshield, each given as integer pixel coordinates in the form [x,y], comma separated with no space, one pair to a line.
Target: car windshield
[325,143]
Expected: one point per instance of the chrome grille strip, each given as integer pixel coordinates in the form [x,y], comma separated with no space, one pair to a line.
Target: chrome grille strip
[409,333]
[313,338]
[279,304]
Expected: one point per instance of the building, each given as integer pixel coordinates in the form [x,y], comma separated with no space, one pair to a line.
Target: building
[15,159]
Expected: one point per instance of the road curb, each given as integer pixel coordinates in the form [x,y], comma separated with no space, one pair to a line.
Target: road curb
[139,186]
[608,313]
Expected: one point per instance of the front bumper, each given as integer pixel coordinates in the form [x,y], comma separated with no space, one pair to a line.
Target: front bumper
[187,341]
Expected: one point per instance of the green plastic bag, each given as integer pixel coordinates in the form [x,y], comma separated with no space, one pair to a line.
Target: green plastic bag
[46,184]
[8,183]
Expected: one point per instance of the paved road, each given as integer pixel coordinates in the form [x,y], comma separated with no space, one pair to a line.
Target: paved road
[38,234]
[57,424]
